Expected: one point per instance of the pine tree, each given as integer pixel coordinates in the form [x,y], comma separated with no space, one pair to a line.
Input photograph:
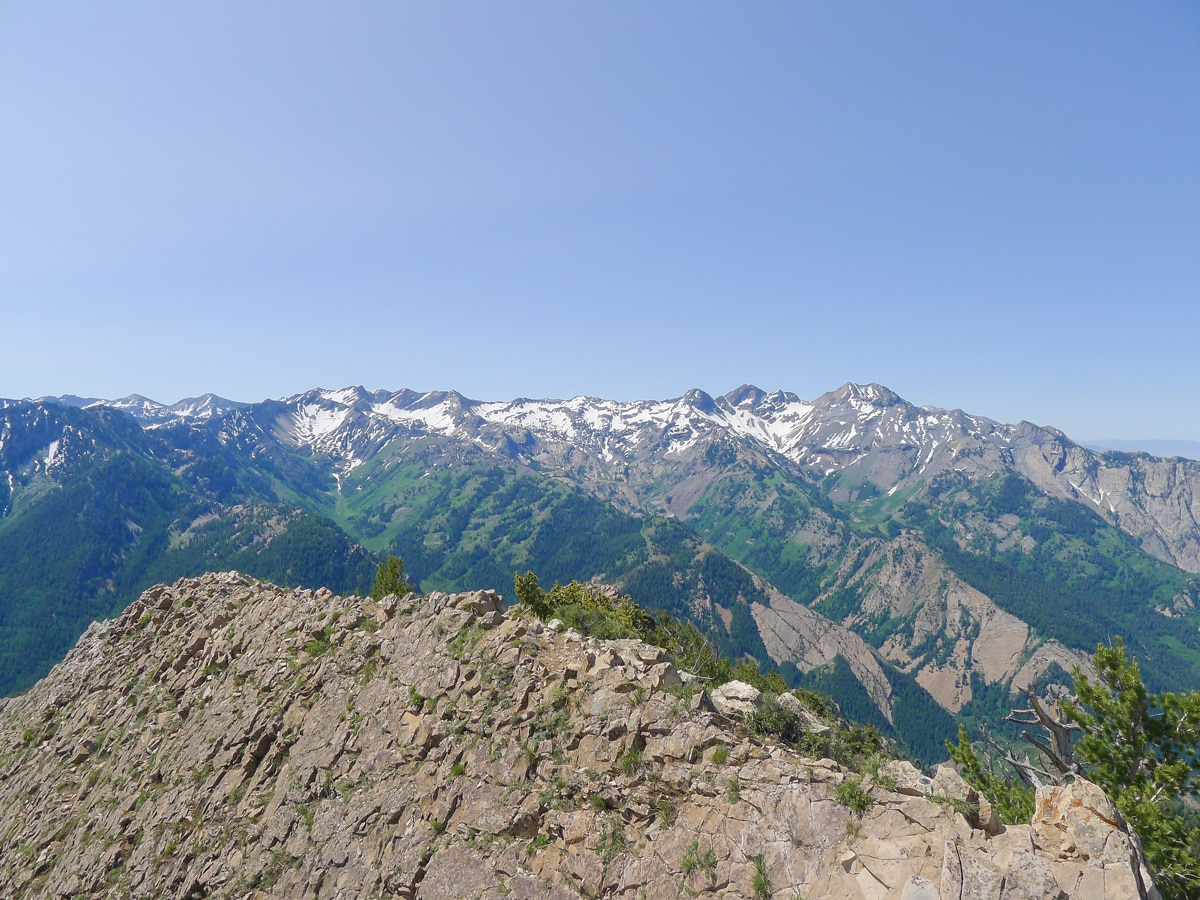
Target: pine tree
[390,579]
[1143,749]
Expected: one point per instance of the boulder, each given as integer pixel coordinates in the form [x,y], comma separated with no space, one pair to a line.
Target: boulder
[1077,823]
[736,699]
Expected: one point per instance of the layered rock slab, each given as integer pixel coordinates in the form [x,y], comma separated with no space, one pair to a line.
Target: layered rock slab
[226,738]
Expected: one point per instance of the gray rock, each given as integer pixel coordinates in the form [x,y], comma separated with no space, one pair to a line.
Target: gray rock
[256,742]
[736,698]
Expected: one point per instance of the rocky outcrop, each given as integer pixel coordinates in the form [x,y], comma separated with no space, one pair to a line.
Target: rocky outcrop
[736,698]
[938,628]
[1155,500]
[228,739]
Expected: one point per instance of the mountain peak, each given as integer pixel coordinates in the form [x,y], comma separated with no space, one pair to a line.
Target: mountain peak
[700,400]
[133,401]
[69,400]
[747,396]
[873,393]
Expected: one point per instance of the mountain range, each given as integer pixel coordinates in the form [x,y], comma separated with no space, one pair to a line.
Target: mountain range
[918,563]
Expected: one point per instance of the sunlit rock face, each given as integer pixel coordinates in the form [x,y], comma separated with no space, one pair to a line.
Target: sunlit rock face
[226,738]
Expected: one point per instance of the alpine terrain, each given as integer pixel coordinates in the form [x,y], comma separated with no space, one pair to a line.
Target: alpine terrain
[228,739]
[919,564]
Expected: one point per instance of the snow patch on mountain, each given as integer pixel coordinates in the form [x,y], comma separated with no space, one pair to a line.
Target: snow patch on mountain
[439,418]
[135,404]
[313,421]
[152,414]
[343,397]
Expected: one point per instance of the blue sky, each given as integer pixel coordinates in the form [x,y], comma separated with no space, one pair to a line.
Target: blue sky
[987,206]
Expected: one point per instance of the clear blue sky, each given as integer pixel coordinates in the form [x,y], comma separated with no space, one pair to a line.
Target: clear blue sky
[987,206]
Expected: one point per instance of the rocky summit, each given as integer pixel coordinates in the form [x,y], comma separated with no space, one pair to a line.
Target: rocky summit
[227,738]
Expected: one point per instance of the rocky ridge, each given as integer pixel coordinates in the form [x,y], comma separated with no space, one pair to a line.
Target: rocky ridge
[226,738]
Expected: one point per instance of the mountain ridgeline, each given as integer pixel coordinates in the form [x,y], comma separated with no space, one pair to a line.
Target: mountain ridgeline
[918,563]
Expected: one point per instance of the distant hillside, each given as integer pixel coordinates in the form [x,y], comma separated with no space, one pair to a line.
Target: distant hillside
[1186,449]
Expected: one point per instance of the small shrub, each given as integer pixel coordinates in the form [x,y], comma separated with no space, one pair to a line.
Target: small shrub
[968,810]
[465,641]
[630,761]
[316,646]
[200,775]
[694,860]
[457,769]
[851,795]
[666,810]
[761,882]
[369,670]
[817,704]
[612,841]
[584,608]
[683,691]
[872,767]
[773,720]
[720,754]
[733,790]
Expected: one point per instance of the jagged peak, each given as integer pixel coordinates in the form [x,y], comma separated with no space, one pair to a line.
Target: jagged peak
[203,407]
[874,393]
[347,396]
[747,395]
[700,400]
[756,401]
